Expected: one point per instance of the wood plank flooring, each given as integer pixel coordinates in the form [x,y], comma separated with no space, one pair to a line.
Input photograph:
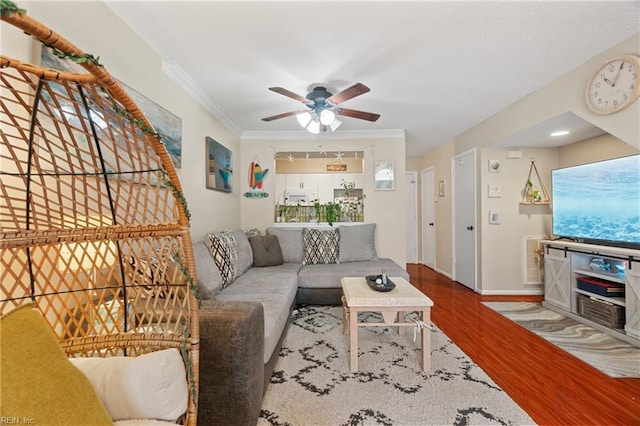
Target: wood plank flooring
[551,385]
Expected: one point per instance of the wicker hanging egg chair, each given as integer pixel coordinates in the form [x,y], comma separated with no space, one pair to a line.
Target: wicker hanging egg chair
[94,230]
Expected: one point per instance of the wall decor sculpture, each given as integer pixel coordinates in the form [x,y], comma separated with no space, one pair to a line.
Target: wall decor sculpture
[257,176]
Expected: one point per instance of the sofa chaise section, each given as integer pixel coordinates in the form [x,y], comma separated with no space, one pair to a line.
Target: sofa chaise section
[320,284]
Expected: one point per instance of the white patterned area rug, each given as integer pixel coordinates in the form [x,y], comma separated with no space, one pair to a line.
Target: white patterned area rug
[614,357]
[312,383]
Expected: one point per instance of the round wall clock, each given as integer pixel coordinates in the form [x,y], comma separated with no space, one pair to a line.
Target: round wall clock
[615,85]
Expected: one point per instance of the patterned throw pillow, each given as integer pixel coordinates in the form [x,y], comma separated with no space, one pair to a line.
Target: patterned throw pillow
[320,246]
[223,248]
[151,275]
[253,232]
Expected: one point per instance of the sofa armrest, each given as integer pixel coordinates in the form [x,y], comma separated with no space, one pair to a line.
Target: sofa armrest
[231,368]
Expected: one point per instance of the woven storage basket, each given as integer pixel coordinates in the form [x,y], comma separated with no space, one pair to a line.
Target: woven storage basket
[93,226]
[601,311]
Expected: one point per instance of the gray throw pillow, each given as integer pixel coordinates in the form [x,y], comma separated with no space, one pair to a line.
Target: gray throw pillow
[357,242]
[244,252]
[290,240]
[266,251]
[320,246]
[208,275]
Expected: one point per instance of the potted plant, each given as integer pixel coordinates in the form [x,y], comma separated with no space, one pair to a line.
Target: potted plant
[317,210]
[332,212]
[352,206]
[532,193]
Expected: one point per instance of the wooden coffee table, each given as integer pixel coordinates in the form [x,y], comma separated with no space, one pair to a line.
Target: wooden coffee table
[393,305]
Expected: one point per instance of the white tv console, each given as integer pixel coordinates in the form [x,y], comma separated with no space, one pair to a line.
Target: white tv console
[566,261]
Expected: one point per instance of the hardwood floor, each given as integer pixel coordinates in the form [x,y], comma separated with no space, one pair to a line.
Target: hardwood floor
[552,386]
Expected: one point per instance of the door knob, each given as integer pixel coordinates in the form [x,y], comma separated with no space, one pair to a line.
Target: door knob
[469,228]
[430,223]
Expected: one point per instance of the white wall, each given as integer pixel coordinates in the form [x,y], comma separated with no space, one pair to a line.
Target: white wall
[595,149]
[502,245]
[385,208]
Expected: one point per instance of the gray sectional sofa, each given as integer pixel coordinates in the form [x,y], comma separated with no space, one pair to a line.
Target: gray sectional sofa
[246,308]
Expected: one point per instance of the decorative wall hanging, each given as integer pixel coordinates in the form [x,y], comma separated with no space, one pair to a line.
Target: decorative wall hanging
[219,166]
[534,191]
[383,175]
[256,180]
[167,124]
[336,167]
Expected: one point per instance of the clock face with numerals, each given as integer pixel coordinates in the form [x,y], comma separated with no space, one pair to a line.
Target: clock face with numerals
[615,85]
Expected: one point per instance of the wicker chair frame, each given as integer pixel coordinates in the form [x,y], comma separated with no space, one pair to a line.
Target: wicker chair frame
[94,230]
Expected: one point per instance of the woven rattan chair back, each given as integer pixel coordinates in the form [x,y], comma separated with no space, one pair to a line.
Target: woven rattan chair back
[94,230]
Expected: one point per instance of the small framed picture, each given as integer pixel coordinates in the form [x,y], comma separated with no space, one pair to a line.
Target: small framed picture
[441,188]
[494,166]
[383,175]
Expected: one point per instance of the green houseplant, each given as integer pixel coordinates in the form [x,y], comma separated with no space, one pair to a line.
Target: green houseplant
[332,212]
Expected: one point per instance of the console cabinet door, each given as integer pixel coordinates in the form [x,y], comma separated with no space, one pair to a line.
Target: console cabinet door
[632,292]
[557,279]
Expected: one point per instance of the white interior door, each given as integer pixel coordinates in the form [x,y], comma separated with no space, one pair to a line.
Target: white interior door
[412,217]
[463,172]
[428,221]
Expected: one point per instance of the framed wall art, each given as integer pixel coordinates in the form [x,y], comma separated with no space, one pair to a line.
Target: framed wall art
[384,175]
[219,166]
[163,121]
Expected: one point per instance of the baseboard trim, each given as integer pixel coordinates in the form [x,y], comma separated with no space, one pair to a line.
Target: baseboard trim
[435,269]
[525,292]
[446,274]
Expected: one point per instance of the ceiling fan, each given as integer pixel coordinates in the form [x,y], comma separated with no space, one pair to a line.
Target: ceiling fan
[323,107]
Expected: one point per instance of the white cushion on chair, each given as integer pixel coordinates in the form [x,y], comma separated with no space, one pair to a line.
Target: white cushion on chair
[150,386]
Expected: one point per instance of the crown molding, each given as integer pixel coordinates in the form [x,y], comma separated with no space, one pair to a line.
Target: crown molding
[345,134]
[179,76]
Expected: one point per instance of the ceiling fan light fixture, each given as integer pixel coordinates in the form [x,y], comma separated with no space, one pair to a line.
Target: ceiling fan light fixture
[303,119]
[327,117]
[314,127]
[322,108]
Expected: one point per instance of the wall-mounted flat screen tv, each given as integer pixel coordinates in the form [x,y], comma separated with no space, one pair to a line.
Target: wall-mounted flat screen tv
[598,202]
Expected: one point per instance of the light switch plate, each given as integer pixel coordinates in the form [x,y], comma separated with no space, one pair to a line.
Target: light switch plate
[495,191]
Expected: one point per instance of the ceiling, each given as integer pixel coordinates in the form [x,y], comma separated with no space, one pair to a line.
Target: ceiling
[435,69]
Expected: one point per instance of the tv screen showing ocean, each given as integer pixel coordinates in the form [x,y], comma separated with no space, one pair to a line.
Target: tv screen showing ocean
[598,201]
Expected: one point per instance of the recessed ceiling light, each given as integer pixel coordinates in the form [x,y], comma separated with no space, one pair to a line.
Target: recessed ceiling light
[560,133]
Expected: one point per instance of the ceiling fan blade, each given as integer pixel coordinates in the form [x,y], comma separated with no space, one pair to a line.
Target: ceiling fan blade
[289,94]
[354,113]
[283,115]
[349,93]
